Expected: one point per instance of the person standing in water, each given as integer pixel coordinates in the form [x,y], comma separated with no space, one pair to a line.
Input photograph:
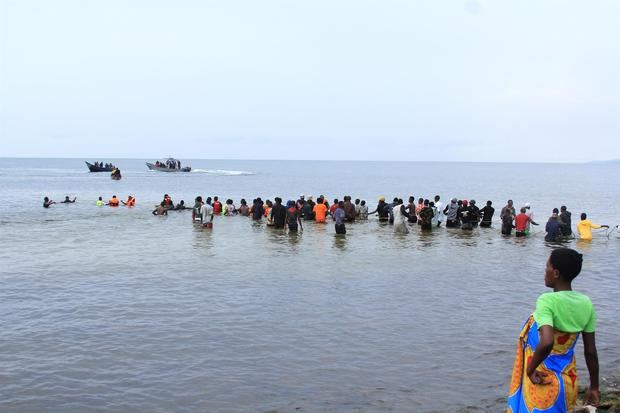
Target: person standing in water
[439,208]
[553,227]
[206,214]
[426,216]
[400,217]
[487,215]
[319,211]
[544,376]
[565,217]
[339,217]
[100,202]
[293,216]
[68,201]
[585,227]
[452,211]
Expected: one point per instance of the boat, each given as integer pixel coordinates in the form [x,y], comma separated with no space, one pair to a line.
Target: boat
[161,166]
[93,168]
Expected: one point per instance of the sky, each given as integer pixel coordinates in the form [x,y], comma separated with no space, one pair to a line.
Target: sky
[406,80]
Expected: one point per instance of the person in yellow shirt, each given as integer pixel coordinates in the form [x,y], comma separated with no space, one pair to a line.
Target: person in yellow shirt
[585,227]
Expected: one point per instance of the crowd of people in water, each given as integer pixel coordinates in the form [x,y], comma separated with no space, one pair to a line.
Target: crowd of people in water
[170,164]
[104,165]
[425,213]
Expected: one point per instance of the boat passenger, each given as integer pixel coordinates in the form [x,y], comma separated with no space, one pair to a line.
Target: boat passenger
[585,227]
[47,202]
[68,201]
[544,376]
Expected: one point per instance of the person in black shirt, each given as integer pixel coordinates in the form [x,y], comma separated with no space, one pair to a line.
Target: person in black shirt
[278,213]
[382,210]
[487,215]
[257,209]
[565,218]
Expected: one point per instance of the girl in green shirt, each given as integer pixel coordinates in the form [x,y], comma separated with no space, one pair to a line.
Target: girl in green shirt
[544,374]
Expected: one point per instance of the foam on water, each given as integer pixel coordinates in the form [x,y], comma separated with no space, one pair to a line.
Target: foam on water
[222,172]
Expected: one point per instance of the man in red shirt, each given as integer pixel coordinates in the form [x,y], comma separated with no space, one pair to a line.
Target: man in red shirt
[521,222]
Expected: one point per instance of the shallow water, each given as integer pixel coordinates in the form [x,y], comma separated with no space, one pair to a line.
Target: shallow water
[117,310]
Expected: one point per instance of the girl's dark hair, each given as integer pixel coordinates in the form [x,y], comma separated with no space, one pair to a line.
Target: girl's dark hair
[567,261]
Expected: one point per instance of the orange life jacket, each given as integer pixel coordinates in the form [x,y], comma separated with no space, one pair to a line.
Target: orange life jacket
[113,202]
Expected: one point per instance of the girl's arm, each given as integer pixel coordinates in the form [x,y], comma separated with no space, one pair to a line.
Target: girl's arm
[543,349]
[589,351]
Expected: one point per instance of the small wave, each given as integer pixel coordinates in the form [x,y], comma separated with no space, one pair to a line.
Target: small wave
[222,172]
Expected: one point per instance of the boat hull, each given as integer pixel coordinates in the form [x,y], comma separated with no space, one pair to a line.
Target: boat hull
[93,168]
[153,167]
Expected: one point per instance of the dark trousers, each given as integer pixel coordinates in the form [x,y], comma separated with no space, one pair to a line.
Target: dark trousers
[341,229]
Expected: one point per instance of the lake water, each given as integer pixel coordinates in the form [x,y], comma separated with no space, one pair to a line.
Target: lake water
[117,310]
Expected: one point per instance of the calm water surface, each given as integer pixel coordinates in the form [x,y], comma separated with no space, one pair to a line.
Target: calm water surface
[116,310]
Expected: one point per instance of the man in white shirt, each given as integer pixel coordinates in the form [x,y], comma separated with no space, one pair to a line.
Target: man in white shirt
[206,214]
[439,206]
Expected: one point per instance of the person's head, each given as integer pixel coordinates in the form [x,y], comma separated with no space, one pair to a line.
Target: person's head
[420,200]
[510,202]
[431,204]
[363,202]
[357,201]
[459,202]
[302,196]
[278,200]
[335,200]
[583,216]
[269,203]
[472,202]
[320,200]
[100,198]
[555,211]
[453,201]
[198,199]
[229,202]
[46,199]
[113,196]
[395,200]
[564,264]
[209,200]
[527,205]
[67,197]
[381,199]
[341,204]
[523,210]
[437,198]
[215,198]
[182,202]
[290,204]
[563,208]
[465,203]
[426,202]
[411,199]
[489,203]
[243,201]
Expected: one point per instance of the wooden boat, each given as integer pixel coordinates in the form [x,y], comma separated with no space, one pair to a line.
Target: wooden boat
[93,168]
[163,168]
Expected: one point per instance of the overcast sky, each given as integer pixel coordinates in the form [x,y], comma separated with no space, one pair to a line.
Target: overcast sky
[362,80]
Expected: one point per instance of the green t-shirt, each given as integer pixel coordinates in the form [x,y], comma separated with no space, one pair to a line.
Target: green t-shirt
[567,311]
